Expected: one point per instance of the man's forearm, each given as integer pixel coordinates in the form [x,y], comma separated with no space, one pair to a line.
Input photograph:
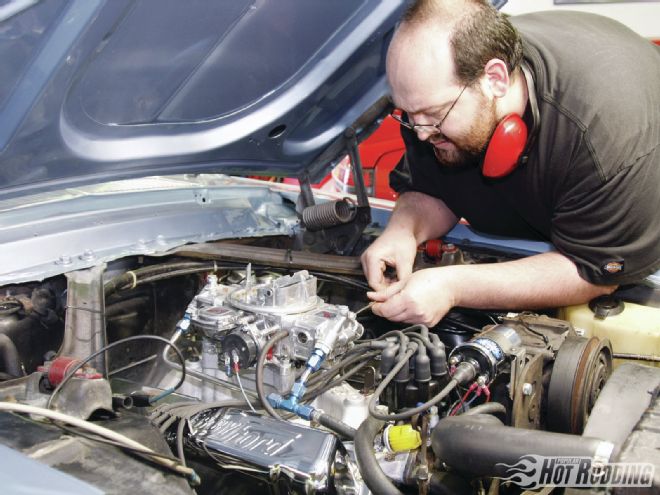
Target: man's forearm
[422,216]
[544,280]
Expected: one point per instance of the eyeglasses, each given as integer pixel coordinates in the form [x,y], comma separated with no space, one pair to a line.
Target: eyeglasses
[428,128]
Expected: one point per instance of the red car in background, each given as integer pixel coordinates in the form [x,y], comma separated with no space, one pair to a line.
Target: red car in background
[380,153]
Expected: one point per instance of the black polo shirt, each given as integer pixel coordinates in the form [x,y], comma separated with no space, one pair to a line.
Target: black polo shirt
[591,184]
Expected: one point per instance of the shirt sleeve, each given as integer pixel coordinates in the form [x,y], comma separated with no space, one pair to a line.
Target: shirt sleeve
[611,229]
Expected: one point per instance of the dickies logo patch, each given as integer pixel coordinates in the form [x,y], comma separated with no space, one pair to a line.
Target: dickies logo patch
[613,267]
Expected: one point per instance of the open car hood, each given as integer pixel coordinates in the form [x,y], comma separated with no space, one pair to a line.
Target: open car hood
[97,90]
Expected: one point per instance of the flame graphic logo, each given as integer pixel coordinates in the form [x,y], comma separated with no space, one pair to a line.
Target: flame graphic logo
[525,472]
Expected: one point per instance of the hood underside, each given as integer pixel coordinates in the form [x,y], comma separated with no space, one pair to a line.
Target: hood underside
[97,90]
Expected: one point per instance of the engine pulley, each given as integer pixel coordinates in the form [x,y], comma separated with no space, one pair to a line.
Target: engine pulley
[581,368]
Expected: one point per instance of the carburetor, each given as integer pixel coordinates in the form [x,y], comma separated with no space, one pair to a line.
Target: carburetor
[237,321]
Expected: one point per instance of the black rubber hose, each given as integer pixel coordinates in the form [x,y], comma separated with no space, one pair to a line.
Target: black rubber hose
[336,425]
[153,273]
[261,362]
[371,472]
[443,483]
[126,306]
[480,445]
[118,282]
[176,273]
[9,357]
[487,408]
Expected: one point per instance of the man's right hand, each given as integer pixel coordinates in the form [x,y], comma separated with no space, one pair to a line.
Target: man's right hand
[417,217]
[394,249]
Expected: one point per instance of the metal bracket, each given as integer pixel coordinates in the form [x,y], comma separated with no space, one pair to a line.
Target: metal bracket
[342,238]
[84,331]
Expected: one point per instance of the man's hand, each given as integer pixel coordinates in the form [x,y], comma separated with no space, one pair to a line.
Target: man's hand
[393,249]
[416,218]
[545,280]
[424,297]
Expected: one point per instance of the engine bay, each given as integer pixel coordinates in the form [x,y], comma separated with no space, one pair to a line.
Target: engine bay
[274,377]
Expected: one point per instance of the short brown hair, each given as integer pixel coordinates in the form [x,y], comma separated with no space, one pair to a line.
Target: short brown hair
[479,33]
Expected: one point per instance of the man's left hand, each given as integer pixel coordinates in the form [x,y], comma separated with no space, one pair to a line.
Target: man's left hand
[424,297]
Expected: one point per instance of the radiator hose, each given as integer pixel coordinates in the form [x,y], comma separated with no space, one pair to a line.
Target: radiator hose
[370,470]
[480,445]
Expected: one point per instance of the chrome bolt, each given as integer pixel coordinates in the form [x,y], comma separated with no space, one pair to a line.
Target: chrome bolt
[88,255]
[65,259]
[527,389]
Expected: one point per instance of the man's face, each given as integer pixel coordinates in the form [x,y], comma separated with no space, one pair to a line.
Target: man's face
[463,141]
[420,70]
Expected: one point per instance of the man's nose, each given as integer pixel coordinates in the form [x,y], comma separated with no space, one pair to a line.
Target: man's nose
[423,133]
[423,127]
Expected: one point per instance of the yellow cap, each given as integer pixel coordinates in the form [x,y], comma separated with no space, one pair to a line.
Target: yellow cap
[402,438]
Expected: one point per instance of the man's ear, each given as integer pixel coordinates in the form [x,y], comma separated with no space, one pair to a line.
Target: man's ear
[496,77]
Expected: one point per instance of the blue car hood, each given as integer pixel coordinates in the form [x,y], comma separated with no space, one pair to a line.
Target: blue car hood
[98,90]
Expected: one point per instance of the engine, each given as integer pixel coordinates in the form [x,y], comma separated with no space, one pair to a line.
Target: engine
[283,378]
[278,343]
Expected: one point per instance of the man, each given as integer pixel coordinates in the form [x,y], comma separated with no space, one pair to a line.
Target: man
[588,179]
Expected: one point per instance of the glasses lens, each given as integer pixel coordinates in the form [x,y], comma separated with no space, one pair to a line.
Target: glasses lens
[402,118]
[426,128]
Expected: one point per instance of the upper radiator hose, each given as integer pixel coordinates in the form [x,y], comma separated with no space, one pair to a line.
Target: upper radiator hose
[482,446]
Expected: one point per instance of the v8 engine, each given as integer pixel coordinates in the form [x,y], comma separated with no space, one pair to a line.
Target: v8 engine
[263,377]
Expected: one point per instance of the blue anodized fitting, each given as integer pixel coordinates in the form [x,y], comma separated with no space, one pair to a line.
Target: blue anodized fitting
[292,403]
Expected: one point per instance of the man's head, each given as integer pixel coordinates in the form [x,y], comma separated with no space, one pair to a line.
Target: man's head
[454,52]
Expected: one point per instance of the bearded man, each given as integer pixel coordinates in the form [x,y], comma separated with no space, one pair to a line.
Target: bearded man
[542,126]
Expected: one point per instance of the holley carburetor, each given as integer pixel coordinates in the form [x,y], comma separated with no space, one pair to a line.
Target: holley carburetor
[237,321]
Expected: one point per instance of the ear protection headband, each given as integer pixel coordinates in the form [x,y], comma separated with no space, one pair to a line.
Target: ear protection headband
[510,144]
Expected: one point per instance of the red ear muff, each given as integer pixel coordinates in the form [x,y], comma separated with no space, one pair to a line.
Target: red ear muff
[505,147]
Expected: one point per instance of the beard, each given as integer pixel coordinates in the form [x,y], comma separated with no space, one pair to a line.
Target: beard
[469,148]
